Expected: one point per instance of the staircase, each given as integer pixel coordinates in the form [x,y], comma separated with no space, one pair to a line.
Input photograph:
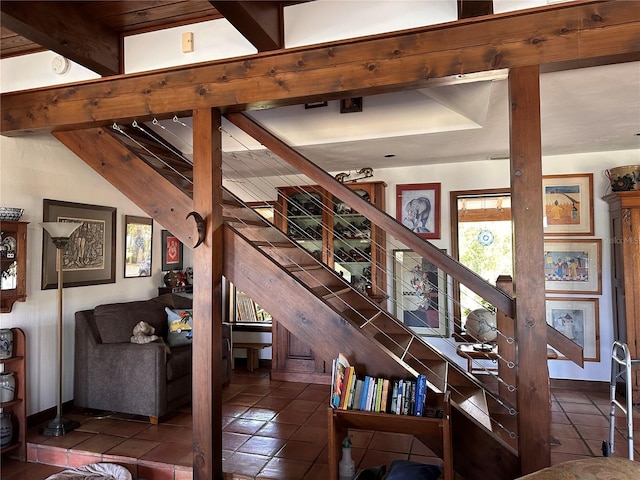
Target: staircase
[315,304]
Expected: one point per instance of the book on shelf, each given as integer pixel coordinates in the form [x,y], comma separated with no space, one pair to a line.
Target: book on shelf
[338,371]
[376,394]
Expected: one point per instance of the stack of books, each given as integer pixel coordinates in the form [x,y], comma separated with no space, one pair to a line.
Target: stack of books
[373,394]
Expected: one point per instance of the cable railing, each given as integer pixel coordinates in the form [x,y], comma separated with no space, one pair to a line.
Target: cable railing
[415,287]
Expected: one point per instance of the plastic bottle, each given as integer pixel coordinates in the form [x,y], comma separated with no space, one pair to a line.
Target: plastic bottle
[346,468]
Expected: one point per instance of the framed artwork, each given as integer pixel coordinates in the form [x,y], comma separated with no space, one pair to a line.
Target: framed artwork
[138,237]
[418,208]
[90,256]
[420,294]
[171,252]
[577,319]
[573,266]
[568,204]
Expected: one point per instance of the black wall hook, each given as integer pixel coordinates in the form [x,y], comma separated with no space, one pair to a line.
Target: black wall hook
[201,224]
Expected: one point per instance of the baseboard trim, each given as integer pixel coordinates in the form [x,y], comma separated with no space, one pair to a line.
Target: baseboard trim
[590,385]
[47,415]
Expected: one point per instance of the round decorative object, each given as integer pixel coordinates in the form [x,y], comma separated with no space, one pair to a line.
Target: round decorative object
[7,386]
[60,65]
[481,325]
[171,279]
[6,343]
[6,429]
[485,238]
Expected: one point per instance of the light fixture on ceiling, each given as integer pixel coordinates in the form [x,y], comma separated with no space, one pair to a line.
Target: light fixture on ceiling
[364,172]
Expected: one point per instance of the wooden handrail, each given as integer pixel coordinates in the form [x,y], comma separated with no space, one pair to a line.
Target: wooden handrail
[377,217]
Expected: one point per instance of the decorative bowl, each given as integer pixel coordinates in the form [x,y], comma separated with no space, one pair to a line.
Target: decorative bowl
[11,214]
[624,178]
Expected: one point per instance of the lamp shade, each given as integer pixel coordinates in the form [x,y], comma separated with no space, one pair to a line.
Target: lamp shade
[60,229]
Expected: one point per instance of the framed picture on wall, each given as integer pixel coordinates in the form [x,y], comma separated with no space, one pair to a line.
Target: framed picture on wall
[577,319]
[138,238]
[418,208]
[171,252]
[420,294]
[568,204]
[573,266]
[90,256]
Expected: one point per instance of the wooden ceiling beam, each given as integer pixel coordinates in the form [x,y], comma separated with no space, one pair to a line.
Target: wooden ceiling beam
[64,28]
[384,63]
[259,22]
[134,178]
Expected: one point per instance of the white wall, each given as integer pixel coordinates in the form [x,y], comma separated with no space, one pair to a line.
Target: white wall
[31,169]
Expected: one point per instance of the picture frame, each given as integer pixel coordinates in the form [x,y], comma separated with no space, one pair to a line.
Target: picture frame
[138,242]
[420,294]
[90,256]
[171,252]
[573,266]
[568,204]
[418,208]
[578,319]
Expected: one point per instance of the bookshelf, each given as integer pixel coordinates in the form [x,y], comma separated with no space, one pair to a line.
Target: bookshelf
[340,421]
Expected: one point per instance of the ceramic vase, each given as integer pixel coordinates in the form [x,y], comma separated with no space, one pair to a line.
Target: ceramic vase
[6,429]
[7,386]
[6,343]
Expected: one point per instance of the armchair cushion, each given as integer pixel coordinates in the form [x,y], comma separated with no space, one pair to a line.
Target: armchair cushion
[115,321]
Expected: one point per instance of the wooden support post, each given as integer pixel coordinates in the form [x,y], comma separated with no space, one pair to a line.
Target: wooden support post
[532,394]
[207,259]
[506,349]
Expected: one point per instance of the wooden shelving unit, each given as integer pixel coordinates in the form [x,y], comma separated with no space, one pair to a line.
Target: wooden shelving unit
[14,235]
[341,420]
[18,406]
[328,229]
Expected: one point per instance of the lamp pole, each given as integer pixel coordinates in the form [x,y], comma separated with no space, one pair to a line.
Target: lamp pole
[60,233]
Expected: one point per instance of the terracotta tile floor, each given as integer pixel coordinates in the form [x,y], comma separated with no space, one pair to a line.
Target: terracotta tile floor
[277,430]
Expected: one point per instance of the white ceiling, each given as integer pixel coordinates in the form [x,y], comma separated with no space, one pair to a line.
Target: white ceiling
[585,110]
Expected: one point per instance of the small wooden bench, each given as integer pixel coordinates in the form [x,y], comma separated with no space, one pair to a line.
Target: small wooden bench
[253,352]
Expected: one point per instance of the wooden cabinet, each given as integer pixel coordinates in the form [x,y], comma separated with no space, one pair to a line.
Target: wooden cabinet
[624,210]
[437,430]
[344,240]
[18,406]
[13,264]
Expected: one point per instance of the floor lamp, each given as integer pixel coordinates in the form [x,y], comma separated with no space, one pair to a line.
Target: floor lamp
[60,233]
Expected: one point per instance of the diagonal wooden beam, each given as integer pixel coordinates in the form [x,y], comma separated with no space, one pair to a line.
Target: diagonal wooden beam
[391,62]
[65,29]
[134,178]
[260,22]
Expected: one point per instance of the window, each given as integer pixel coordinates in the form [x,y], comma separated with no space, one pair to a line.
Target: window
[482,241]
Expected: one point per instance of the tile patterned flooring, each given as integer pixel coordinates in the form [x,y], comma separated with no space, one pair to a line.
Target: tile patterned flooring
[277,430]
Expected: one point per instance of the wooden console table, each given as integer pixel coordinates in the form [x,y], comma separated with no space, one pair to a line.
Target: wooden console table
[470,353]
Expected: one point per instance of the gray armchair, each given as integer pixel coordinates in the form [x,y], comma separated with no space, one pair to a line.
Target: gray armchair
[115,375]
